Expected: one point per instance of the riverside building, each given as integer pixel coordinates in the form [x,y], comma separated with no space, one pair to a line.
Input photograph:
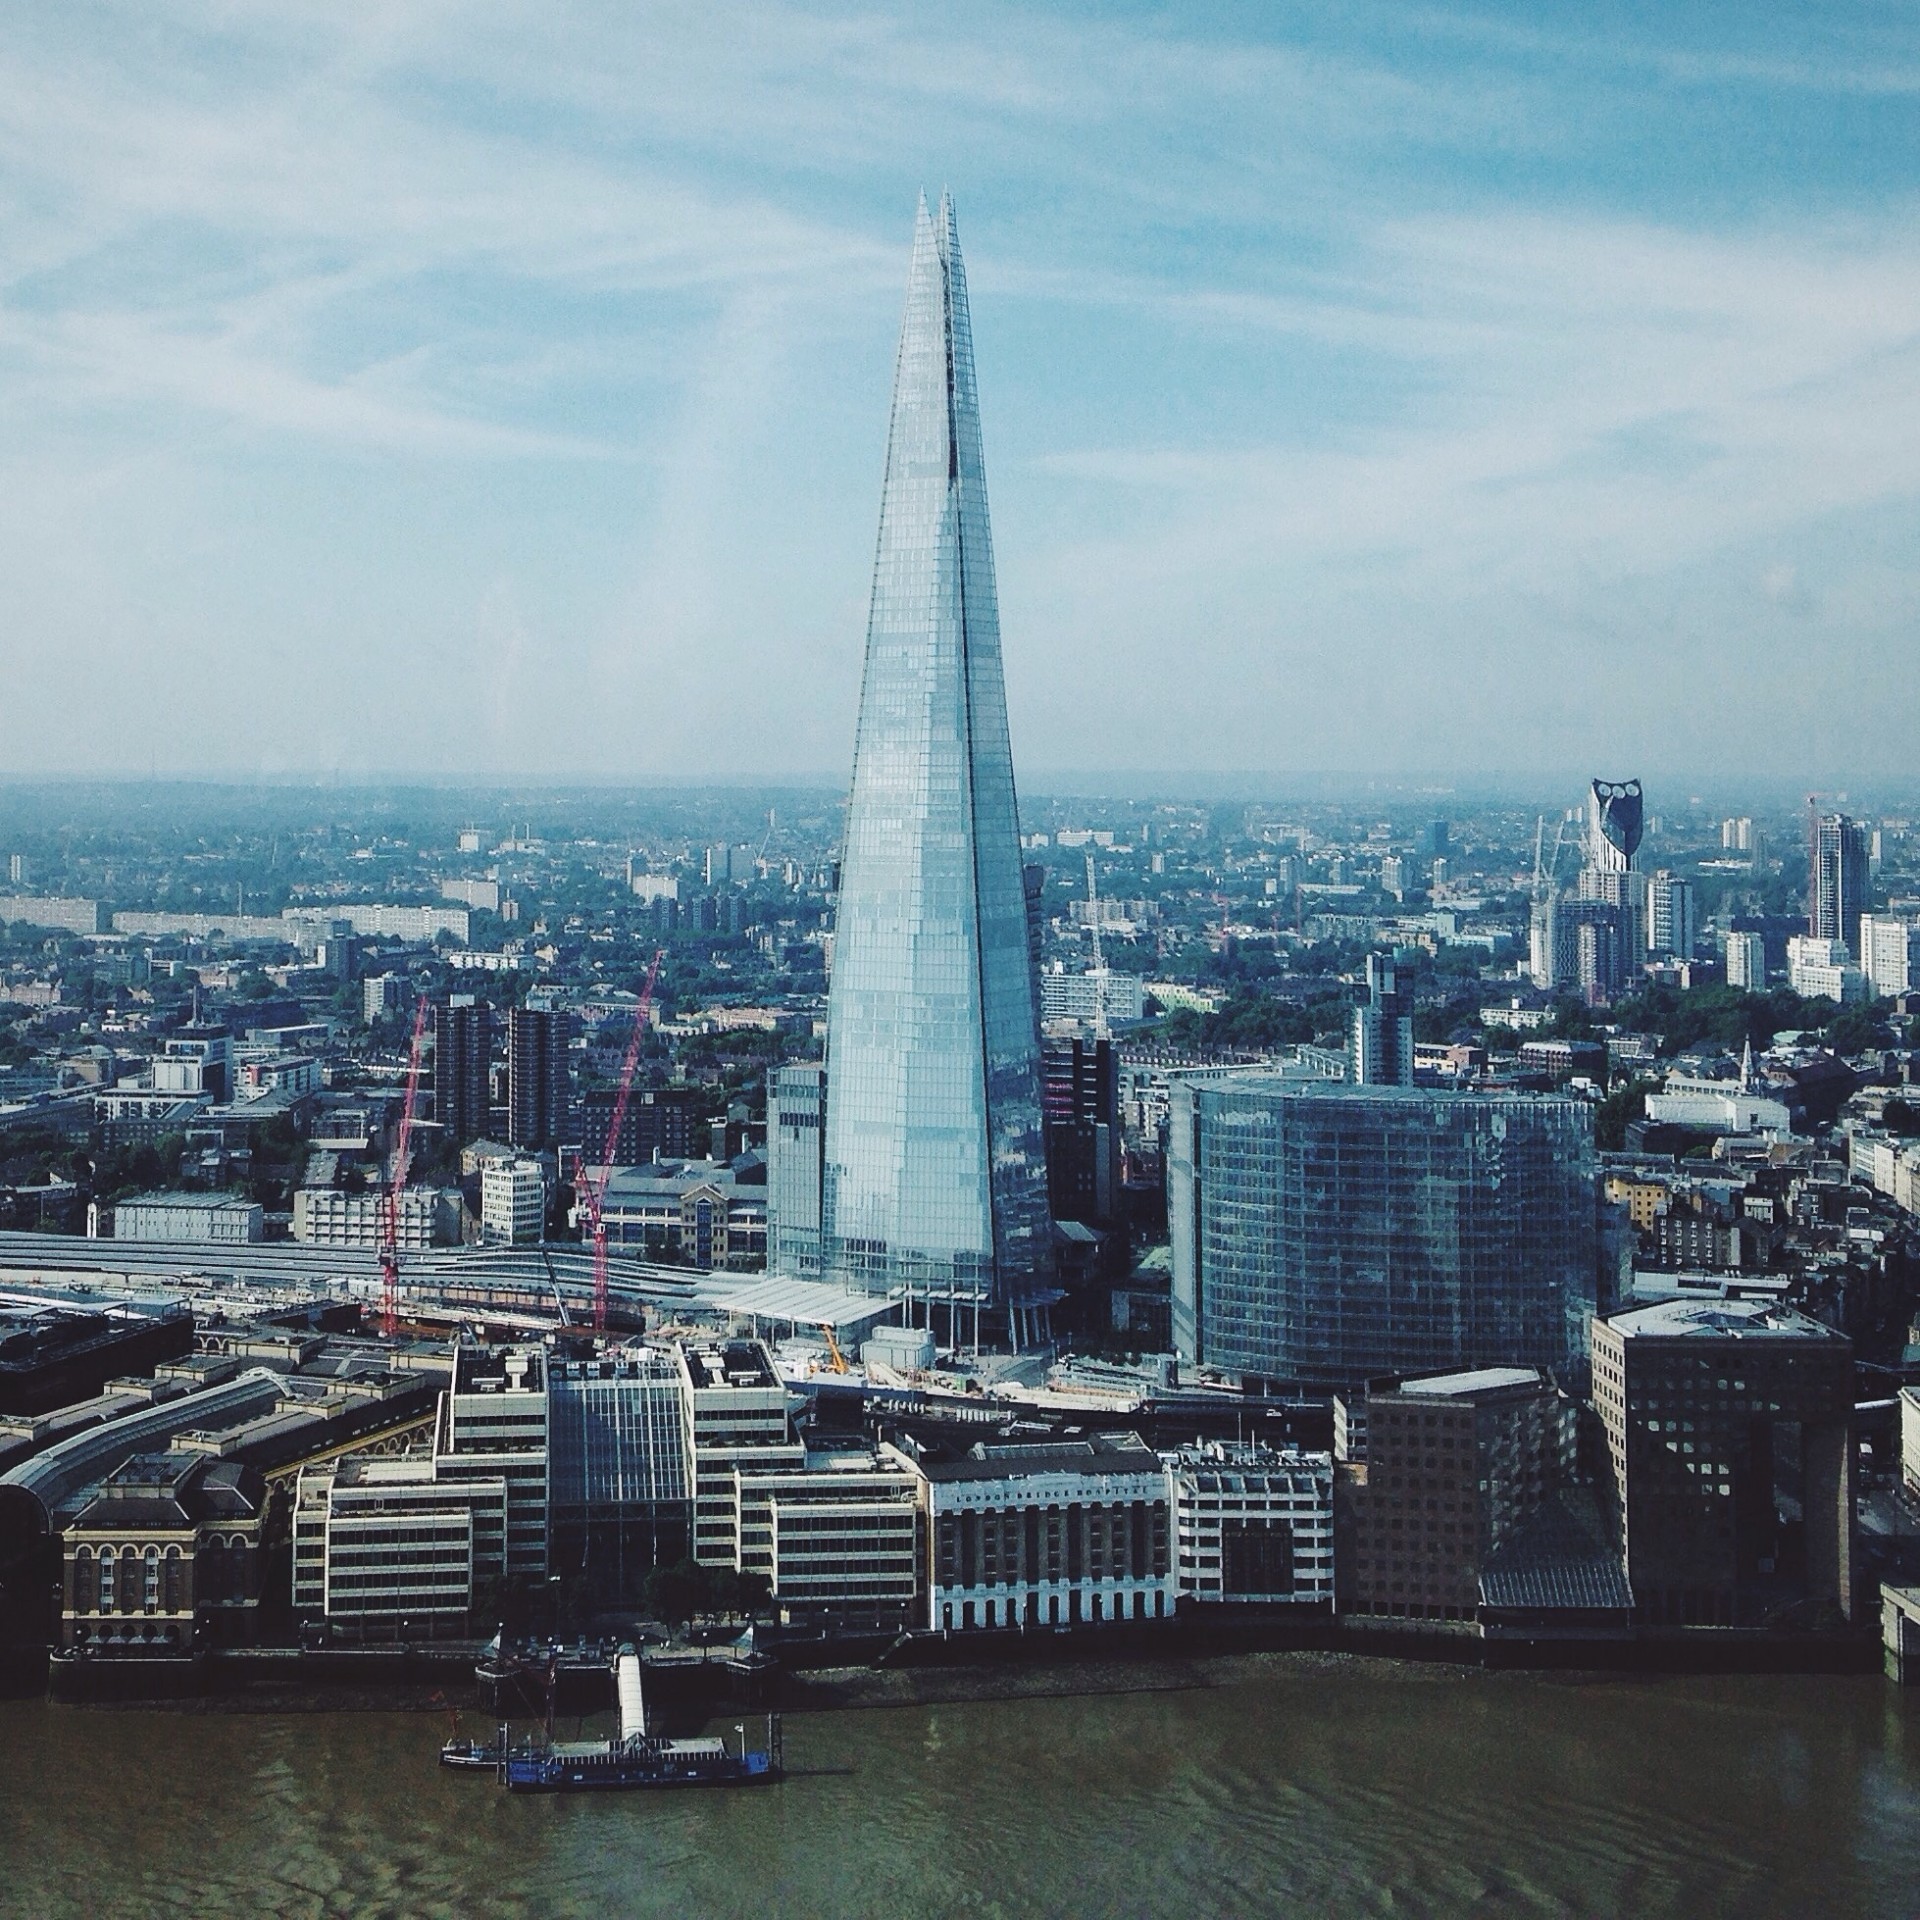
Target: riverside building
[1254,1524]
[934,1173]
[1050,1534]
[1325,1233]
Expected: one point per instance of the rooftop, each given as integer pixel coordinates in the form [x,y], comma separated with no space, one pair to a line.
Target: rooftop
[1100,1453]
[1472,1383]
[1719,1320]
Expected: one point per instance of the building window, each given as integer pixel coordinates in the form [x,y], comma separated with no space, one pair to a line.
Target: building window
[106,1579]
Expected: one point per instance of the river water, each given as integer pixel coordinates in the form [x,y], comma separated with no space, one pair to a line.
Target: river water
[1278,1787]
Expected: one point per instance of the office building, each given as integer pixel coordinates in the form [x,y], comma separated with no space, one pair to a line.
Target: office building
[1096,998]
[1670,916]
[386,1546]
[1437,841]
[1324,1233]
[1889,953]
[1454,1465]
[537,1085]
[1823,969]
[513,1202]
[1050,1534]
[1729,1454]
[492,1425]
[462,1055]
[1383,1028]
[1080,1098]
[838,1534]
[706,1212]
[1837,892]
[935,1173]
[735,1415]
[1254,1524]
[1747,961]
[619,1493]
[796,1118]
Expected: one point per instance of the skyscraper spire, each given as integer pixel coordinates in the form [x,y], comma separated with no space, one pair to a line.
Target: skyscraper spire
[934,1178]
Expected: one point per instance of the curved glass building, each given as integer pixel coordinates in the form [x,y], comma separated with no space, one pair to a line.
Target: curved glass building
[934,1179]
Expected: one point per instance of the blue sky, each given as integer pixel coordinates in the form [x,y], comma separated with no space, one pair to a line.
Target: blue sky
[494,389]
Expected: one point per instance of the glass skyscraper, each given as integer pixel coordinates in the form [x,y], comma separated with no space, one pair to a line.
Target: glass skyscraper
[1323,1233]
[934,1176]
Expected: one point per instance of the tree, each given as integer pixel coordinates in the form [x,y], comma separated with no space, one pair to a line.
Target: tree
[1617,1112]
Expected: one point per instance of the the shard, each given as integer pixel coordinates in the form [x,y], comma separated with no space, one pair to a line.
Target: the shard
[934,1180]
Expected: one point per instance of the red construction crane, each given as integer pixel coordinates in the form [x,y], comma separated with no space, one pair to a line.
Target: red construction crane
[591,1192]
[390,1199]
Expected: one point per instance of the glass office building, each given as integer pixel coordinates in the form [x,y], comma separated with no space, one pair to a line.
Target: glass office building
[934,1176]
[618,1495]
[1325,1233]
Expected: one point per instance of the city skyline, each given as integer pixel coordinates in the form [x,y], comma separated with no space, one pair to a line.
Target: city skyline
[1424,385]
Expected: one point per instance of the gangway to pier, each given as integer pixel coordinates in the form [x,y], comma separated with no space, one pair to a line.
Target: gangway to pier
[630,1695]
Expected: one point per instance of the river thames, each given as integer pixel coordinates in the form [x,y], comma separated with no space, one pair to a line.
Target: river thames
[1279,1787]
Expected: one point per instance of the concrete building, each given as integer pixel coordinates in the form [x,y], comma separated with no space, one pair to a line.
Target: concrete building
[539,1104]
[462,1054]
[513,1202]
[1822,969]
[1454,1465]
[839,1534]
[1095,998]
[1889,953]
[330,1217]
[1050,1534]
[382,994]
[385,1544]
[200,1218]
[796,1121]
[1325,1233]
[1747,961]
[1253,1524]
[52,911]
[1729,1453]
[736,1417]
[493,1425]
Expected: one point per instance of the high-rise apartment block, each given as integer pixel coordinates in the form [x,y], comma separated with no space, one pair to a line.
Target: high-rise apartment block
[1889,953]
[1747,961]
[538,1104]
[1670,916]
[1837,892]
[1081,1101]
[1324,1233]
[1383,1028]
[935,1175]
[1823,969]
[1730,1461]
[462,1054]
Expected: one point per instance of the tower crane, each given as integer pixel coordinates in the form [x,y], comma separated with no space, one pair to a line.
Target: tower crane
[592,1192]
[396,1185]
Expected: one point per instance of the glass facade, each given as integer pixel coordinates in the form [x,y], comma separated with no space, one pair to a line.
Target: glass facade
[618,1487]
[1323,1233]
[934,1171]
[796,1109]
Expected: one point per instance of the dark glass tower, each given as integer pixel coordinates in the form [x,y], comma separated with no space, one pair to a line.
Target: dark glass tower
[934,1177]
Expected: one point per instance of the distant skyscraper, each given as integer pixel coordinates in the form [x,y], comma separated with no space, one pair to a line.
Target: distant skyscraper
[1670,917]
[935,1177]
[1383,1029]
[1747,961]
[796,1111]
[1837,885]
[1615,822]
